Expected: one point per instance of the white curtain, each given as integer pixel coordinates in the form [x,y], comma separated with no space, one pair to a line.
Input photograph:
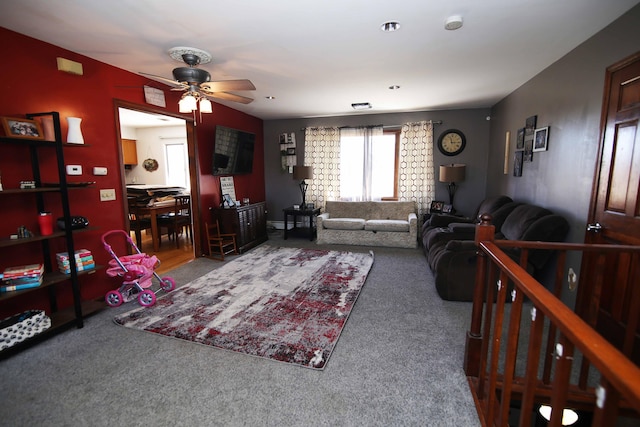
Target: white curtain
[322,153]
[416,175]
[357,152]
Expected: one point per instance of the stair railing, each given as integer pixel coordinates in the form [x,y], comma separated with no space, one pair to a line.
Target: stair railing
[508,375]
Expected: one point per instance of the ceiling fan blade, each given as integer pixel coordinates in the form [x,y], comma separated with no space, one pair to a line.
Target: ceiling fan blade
[165,80]
[228,85]
[229,97]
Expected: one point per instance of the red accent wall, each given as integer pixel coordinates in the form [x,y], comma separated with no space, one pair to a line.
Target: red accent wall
[30,82]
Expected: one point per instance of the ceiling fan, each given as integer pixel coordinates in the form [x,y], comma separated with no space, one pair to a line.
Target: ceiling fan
[197,83]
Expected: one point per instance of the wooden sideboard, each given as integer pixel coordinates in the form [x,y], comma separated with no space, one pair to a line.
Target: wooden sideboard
[248,222]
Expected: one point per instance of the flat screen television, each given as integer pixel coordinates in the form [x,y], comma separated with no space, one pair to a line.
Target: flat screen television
[233,151]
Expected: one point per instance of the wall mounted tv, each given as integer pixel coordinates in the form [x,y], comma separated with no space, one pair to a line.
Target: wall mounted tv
[233,151]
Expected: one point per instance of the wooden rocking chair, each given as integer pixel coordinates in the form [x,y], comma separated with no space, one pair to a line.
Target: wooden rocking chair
[220,244]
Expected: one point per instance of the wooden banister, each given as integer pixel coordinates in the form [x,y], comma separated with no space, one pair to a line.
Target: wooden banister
[492,374]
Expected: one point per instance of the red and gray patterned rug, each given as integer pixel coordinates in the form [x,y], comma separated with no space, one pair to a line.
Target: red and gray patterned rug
[284,304]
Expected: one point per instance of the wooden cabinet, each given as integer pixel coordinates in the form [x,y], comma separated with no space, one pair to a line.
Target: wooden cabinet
[249,223]
[39,245]
[129,152]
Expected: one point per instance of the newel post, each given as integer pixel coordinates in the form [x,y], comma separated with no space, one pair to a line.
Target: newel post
[484,232]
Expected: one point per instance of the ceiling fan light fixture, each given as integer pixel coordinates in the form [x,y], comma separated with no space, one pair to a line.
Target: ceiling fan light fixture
[205,106]
[187,103]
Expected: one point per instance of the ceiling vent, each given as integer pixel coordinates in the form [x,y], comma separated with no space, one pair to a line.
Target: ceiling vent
[361,106]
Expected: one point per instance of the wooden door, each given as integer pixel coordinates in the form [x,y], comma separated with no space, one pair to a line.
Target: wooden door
[611,298]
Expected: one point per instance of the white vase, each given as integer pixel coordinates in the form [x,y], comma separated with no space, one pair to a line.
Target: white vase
[74,136]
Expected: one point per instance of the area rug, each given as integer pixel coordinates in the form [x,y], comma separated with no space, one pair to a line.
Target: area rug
[285,304]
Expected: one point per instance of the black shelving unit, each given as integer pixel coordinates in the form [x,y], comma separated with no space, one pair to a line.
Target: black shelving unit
[60,319]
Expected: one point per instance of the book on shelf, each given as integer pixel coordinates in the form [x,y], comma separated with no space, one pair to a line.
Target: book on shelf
[79,261]
[19,286]
[29,270]
[88,266]
[79,254]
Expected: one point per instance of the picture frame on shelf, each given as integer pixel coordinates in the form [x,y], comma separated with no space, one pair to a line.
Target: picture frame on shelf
[448,209]
[227,201]
[541,139]
[22,128]
[436,206]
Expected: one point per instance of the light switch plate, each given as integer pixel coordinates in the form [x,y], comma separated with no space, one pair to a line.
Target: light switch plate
[107,194]
[74,170]
[97,170]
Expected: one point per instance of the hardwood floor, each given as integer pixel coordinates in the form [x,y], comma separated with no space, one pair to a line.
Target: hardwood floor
[170,257]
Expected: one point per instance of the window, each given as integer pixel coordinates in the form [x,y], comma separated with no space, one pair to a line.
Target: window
[368,164]
[177,165]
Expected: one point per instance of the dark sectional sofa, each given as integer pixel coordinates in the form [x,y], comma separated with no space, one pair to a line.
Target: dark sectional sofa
[448,242]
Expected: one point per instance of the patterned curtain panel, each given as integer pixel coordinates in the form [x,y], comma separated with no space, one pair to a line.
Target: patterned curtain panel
[416,180]
[322,153]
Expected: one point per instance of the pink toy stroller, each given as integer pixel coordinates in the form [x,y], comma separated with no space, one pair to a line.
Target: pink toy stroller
[137,271]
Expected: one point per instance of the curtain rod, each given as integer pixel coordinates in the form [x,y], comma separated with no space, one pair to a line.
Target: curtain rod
[433,122]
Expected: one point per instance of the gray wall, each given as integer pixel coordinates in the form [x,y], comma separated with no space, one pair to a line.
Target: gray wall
[283,191]
[567,96]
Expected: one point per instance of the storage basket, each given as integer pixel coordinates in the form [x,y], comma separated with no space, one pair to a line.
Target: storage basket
[20,327]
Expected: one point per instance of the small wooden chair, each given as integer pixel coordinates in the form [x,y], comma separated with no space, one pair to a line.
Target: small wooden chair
[220,244]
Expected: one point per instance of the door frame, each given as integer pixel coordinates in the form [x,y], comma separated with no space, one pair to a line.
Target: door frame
[192,150]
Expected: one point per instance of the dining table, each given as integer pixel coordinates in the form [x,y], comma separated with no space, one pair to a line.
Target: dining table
[153,210]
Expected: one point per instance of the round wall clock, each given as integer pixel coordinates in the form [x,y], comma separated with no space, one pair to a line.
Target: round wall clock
[451,142]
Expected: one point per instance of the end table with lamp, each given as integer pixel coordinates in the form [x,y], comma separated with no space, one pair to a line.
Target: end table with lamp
[302,211]
[301,173]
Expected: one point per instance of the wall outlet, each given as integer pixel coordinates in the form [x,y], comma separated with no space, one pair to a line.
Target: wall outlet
[107,194]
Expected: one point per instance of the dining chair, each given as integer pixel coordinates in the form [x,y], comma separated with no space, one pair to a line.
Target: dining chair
[178,220]
[137,222]
[220,244]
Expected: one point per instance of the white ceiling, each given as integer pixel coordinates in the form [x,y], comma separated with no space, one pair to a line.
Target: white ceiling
[317,58]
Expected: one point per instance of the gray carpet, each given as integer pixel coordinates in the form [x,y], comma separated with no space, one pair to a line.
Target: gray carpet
[397,362]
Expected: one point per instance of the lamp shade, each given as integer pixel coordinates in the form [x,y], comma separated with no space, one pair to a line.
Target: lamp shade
[452,173]
[205,106]
[187,104]
[301,173]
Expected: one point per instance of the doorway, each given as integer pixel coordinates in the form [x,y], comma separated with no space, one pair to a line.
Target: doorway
[165,146]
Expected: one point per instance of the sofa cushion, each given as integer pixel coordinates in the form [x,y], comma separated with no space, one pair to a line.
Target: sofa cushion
[370,210]
[344,223]
[386,225]
[520,219]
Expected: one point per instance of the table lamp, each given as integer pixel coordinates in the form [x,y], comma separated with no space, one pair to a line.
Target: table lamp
[301,173]
[451,174]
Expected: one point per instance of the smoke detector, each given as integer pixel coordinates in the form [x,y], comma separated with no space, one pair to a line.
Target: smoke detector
[453,22]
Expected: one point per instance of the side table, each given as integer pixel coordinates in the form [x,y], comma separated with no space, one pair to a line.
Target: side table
[302,212]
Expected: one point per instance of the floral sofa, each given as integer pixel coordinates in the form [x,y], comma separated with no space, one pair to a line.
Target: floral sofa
[391,224]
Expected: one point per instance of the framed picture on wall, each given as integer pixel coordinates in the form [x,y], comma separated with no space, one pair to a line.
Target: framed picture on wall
[541,139]
[517,163]
[520,140]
